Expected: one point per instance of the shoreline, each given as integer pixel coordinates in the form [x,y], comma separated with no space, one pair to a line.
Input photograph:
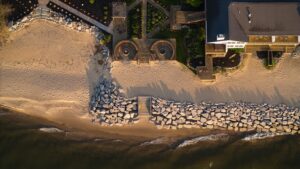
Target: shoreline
[176,139]
[59,77]
[141,132]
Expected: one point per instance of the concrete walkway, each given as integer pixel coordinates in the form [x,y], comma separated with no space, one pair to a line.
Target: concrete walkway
[144,19]
[81,15]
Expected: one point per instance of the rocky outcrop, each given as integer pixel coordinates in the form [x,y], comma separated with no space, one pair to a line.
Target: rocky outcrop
[108,106]
[236,116]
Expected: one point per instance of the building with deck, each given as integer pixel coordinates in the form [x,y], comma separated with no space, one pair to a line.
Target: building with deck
[252,24]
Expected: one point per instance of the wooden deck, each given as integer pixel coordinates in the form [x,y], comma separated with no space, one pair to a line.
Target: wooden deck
[283,48]
[215,49]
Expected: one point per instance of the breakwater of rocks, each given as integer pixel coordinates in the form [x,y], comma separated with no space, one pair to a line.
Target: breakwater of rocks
[236,116]
[108,105]
[41,13]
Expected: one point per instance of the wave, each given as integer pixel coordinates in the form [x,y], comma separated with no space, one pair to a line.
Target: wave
[261,136]
[155,142]
[51,130]
[117,141]
[213,137]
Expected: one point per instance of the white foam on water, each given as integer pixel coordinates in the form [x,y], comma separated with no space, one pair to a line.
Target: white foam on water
[213,137]
[155,142]
[51,130]
[261,136]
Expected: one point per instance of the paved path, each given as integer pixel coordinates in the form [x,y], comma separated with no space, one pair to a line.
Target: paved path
[157,29]
[144,19]
[43,2]
[159,7]
[81,15]
[134,4]
[144,16]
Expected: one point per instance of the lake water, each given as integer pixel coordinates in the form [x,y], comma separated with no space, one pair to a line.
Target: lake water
[23,146]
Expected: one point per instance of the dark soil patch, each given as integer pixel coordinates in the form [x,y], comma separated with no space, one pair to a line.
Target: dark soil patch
[264,54]
[195,62]
[20,8]
[270,57]
[231,60]
[99,10]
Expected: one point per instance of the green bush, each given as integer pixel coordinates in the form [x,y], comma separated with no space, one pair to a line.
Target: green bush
[194,3]
[4,10]
[92,1]
[237,50]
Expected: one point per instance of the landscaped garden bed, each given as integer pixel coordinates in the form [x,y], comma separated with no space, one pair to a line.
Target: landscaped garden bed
[155,18]
[98,10]
[196,62]
[188,5]
[129,2]
[20,8]
[135,22]
[195,41]
[167,3]
[269,58]
[190,42]
[231,60]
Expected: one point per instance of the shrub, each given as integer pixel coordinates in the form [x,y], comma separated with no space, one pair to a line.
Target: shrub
[92,1]
[194,3]
[4,10]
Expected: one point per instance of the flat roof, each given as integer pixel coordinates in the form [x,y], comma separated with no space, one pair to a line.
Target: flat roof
[217,17]
[265,19]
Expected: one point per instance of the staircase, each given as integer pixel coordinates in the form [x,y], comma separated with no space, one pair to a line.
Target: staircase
[144,108]
[144,57]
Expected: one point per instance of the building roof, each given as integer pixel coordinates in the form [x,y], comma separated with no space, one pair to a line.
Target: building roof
[263,19]
[220,20]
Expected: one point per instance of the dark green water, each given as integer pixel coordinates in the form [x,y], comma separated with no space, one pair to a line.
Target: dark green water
[22,146]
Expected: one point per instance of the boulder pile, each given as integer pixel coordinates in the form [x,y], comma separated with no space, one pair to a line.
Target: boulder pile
[236,116]
[108,106]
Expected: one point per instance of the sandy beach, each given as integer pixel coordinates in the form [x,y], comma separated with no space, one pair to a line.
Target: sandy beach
[251,83]
[49,71]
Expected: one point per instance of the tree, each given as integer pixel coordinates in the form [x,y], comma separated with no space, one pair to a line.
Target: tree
[194,3]
[92,1]
[4,10]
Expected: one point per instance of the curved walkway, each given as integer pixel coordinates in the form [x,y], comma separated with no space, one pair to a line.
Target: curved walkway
[134,4]
[81,15]
[159,7]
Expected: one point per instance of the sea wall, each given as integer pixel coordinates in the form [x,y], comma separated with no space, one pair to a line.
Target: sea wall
[236,116]
[108,106]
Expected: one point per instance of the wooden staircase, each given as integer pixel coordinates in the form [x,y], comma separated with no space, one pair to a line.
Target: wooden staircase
[144,57]
[144,108]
